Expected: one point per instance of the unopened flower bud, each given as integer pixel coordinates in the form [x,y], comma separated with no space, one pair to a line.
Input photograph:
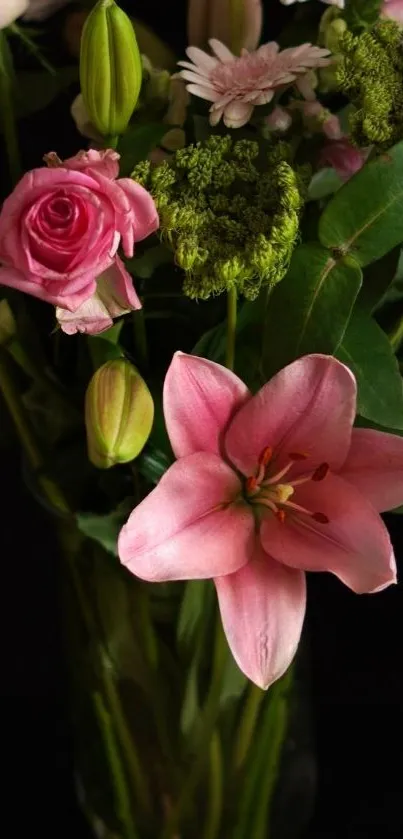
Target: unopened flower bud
[110,68]
[8,326]
[119,413]
[279,120]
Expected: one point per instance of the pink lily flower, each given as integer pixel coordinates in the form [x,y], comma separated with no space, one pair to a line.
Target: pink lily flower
[265,488]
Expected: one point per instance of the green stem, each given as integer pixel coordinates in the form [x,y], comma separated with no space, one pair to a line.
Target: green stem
[150,643]
[215,792]
[56,499]
[253,816]
[32,47]
[247,726]
[7,115]
[207,725]
[122,796]
[270,759]
[140,338]
[231,328]
[123,731]
[396,336]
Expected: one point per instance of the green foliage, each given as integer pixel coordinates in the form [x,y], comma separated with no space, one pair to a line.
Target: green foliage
[367,352]
[361,14]
[370,74]
[309,311]
[229,212]
[137,143]
[363,219]
[105,529]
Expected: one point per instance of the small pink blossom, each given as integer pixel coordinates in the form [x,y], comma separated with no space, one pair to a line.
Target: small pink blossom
[266,487]
[279,120]
[236,85]
[393,9]
[215,19]
[60,231]
[345,158]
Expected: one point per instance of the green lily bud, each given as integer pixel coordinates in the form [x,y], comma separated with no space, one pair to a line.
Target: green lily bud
[110,68]
[119,413]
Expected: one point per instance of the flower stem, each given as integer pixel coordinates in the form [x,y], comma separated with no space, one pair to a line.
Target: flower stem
[123,731]
[396,336]
[261,772]
[215,792]
[231,328]
[122,795]
[270,755]
[7,114]
[207,725]
[247,726]
[32,47]
[140,338]
[57,500]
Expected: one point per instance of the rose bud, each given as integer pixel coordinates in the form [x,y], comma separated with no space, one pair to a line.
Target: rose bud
[119,413]
[110,68]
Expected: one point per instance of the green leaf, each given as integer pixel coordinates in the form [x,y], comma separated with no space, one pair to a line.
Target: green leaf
[144,266]
[310,309]
[105,529]
[364,218]
[37,89]
[366,350]
[378,279]
[137,143]
[324,183]
[361,14]
[153,464]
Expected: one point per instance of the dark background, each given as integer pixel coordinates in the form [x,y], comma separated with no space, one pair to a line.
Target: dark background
[355,641]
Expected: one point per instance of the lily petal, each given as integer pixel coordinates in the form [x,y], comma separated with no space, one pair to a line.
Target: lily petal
[354,545]
[192,526]
[375,466]
[200,397]
[308,407]
[262,609]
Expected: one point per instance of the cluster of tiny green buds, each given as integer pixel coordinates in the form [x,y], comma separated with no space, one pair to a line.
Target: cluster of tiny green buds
[371,76]
[332,28]
[229,211]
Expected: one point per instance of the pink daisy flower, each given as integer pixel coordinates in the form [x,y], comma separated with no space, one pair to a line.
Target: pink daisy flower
[235,85]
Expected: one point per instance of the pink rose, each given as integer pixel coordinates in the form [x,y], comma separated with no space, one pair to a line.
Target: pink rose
[60,231]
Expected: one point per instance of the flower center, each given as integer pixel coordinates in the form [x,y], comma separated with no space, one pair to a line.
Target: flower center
[267,488]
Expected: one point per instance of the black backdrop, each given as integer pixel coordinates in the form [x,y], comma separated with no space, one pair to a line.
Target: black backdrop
[355,641]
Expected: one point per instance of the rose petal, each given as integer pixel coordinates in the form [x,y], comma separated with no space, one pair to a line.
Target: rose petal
[15,279]
[262,609]
[308,407]
[375,466]
[200,397]
[354,545]
[143,217]
[192,526]
[106,162]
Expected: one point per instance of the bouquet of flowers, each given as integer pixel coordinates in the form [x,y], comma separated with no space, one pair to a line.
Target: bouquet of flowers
[201,339]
